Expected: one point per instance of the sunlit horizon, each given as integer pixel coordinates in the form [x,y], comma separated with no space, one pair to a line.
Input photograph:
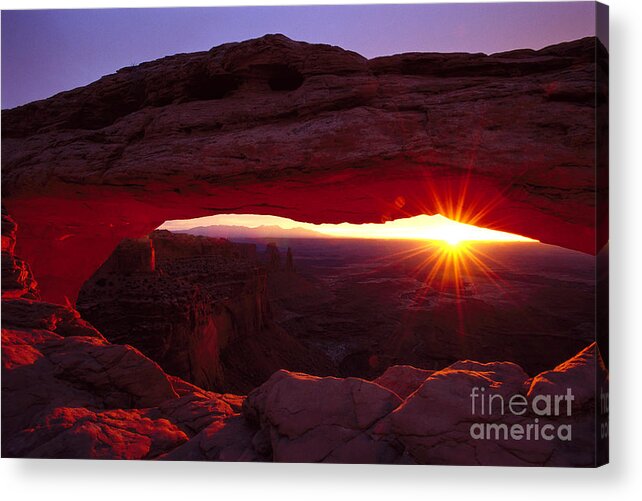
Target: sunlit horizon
[422,227]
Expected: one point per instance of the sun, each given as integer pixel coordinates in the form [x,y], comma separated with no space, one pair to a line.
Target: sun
[452,241]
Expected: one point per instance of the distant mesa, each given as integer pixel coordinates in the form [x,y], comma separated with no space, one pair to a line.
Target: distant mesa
[260,232]
[198,306]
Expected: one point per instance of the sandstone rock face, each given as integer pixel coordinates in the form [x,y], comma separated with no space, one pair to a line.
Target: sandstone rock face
[576,372]
[309,419]
[435,423]
[403,379]
[223,440]
[197,306]
[310,132]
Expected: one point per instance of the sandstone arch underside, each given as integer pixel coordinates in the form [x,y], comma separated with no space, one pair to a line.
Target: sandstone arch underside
[310,132]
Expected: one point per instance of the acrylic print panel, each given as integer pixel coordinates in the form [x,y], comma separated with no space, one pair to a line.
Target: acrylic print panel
[302,234]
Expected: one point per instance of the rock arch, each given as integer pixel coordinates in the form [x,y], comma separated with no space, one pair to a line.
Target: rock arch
[311,132]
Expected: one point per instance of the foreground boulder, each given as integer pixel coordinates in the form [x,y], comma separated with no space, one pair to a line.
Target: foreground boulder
[403,379]
[577,372]
[439,425]
[78,396]
[310,419]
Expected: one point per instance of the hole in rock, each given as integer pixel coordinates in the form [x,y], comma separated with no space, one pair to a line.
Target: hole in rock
[226,300]
[284,78]
[204,86]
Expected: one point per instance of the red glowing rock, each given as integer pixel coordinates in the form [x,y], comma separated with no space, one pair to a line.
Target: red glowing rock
[68,393]
[78,433]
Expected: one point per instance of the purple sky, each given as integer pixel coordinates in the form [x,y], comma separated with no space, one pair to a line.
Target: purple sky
[48,51]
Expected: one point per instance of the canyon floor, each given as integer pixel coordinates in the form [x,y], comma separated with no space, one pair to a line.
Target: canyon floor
[369,304]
